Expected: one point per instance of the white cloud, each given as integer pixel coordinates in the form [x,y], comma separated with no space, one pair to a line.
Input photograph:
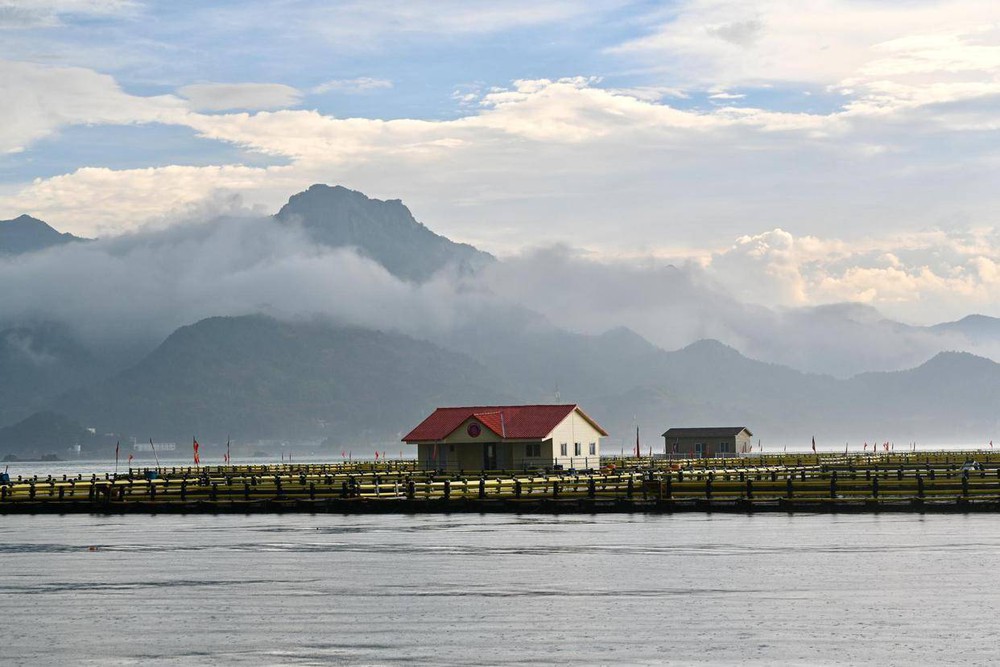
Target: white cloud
[923,276]
[132,199]
[882,56]
[246,96]
[361,84]
[40,100]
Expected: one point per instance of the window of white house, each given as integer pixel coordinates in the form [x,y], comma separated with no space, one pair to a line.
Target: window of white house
[593,448]
[577,449]
[562,449]
[533,449]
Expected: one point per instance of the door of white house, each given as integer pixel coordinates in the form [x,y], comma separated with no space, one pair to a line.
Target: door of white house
[490,456]
[699,449]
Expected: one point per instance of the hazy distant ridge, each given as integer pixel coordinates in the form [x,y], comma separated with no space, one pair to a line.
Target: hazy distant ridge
[26,234]
[385,231]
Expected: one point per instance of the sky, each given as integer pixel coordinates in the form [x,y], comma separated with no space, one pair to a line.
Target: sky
[795,154]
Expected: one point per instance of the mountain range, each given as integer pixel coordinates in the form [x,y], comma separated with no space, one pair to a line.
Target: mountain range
[309,378]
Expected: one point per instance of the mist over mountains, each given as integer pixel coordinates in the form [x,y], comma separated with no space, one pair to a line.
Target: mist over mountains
[343,319]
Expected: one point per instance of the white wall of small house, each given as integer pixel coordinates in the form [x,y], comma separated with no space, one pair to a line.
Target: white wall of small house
[573,430]
[744,441]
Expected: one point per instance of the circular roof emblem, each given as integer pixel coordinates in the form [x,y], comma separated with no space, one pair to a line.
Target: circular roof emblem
[473,430]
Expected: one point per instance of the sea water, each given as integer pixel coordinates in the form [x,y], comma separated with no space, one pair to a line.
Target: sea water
[301,589]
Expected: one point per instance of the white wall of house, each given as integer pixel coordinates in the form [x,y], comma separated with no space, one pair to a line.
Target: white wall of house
[577,434]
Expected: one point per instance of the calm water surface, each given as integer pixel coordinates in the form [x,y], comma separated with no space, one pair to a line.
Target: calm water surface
[476,589]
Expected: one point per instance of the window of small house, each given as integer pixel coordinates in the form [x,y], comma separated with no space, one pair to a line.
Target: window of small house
[562,449]
[577,449]
[593,448]
[533,449]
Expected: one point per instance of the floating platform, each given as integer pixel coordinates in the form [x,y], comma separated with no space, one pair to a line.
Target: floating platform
[926,482]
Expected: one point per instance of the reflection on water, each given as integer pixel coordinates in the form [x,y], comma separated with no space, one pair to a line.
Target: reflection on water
[311,589]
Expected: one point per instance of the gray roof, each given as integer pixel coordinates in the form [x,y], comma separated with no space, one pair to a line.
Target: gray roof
[705,432]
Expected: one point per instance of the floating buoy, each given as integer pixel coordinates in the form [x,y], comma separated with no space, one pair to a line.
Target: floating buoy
[91,548]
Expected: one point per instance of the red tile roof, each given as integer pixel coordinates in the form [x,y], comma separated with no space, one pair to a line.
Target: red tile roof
[515,422]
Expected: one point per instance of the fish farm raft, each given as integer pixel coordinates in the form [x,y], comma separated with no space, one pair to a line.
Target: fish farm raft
[912,482]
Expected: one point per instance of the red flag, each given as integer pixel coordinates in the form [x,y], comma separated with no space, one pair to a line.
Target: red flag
[196,446]
[117,444]
[814,444]
[376,455]
[130,459]
[866,445]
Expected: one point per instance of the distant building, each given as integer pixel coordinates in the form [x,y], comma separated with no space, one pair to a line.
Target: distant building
[709,441]
[508,437]
[160,447]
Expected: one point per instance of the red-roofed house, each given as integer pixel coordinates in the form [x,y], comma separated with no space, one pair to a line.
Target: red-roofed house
[508,437]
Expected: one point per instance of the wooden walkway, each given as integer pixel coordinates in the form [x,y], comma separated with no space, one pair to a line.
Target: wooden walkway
[924,482]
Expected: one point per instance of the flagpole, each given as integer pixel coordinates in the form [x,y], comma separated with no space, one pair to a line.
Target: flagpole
[154,453]
[117,445]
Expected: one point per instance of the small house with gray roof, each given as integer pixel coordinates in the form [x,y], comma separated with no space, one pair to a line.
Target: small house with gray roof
[708,441]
